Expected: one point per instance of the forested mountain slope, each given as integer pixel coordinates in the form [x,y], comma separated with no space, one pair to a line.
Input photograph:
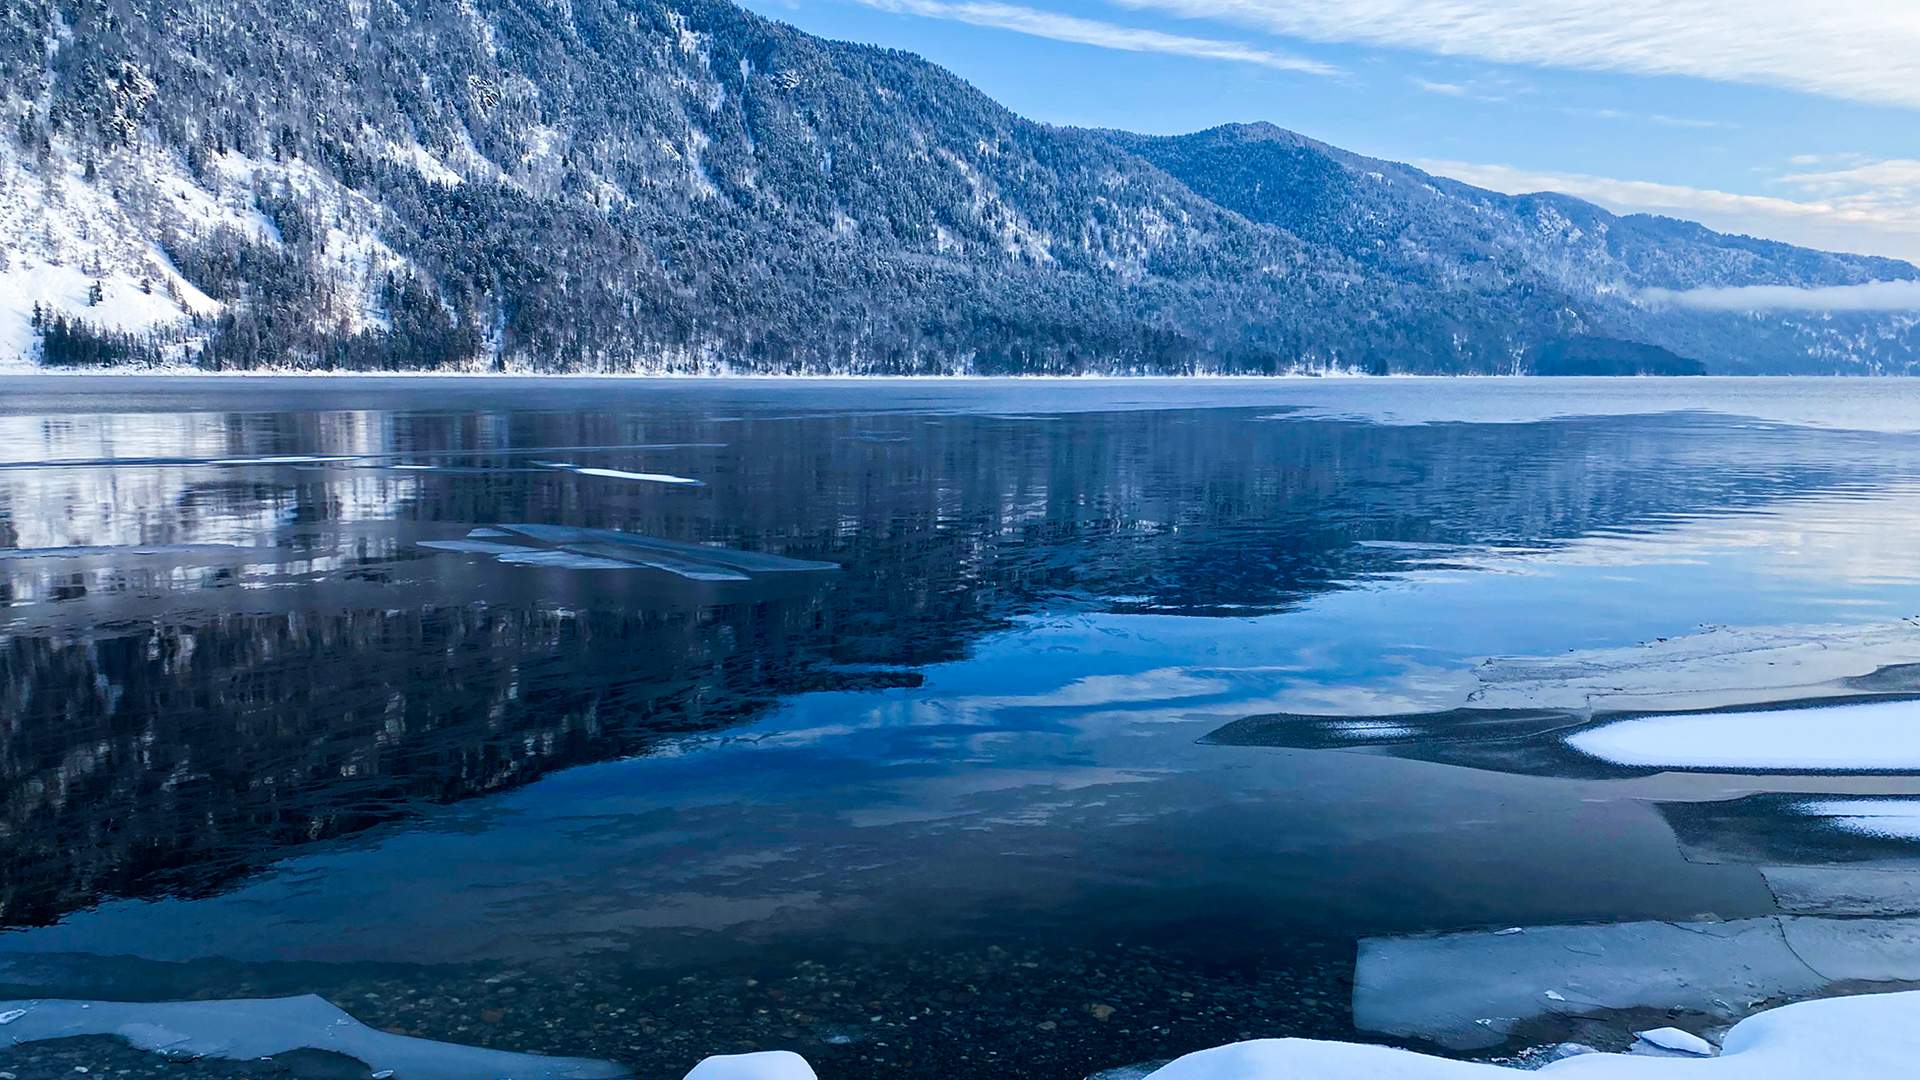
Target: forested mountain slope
[682,185]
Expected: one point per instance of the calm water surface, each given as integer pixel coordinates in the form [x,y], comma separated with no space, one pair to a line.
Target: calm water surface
[944,808]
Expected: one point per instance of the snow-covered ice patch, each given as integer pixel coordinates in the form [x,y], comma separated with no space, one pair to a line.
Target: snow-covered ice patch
[1892,819]
[245,1029]
[1874,737]
[1677,1041]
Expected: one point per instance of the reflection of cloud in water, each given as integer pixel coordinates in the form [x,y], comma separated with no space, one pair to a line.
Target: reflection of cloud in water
[1863,538]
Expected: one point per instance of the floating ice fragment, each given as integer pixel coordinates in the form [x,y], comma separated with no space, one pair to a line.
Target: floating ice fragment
[11,1015]
[572,548]
[571,560]
[652,478]
[244,1029]
[472,547]
[284,459]
[1676,1040]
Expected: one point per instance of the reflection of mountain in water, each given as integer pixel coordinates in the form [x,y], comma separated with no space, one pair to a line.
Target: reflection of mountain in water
[174,719]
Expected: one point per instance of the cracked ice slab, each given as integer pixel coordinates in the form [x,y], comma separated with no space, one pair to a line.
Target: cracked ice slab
[1844,890]
[1469,990]
[244,1029]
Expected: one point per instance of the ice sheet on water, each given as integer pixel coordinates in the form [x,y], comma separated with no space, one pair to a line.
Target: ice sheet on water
[1877,736]
[1508,740]
[249,1028]
[1771,829]
[1844,890]
[1716,667]
[573,548]
[1469,990]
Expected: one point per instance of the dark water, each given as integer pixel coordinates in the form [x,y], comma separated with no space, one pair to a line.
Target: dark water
[946,807]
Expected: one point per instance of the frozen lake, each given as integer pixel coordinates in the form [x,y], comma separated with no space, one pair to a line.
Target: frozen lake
[1124,719]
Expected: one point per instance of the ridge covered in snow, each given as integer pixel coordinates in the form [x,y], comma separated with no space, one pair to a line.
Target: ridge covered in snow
[683,186]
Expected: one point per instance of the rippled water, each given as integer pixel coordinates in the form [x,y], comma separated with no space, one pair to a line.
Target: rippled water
[947,806]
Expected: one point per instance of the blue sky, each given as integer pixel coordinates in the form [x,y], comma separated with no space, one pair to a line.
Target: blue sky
[1788,119]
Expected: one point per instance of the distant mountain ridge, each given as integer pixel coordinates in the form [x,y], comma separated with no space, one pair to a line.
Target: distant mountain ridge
[680,185]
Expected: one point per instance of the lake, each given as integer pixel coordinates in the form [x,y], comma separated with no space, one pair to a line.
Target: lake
[303,691]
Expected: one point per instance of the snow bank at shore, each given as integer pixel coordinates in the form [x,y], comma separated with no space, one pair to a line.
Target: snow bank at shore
[1873,1037]
[1868,1037]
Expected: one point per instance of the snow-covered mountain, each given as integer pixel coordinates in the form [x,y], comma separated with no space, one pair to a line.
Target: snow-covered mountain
[680,184]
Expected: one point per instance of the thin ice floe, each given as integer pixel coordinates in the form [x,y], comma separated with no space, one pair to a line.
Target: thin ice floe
[120,550]
[1874,737]
[286,459]
[246,1029]
[573,548]
[1471,990]
[1871,1037]
[652,478]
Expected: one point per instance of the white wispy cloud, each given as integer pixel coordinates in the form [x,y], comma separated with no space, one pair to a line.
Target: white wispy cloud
[1874,220]
[1898,175]
[1857,50]
[1872,296]
[1662,119]
[1057,27]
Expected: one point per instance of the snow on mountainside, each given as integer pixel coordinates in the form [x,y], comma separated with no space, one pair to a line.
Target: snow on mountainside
[1414,226]
[681,185]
